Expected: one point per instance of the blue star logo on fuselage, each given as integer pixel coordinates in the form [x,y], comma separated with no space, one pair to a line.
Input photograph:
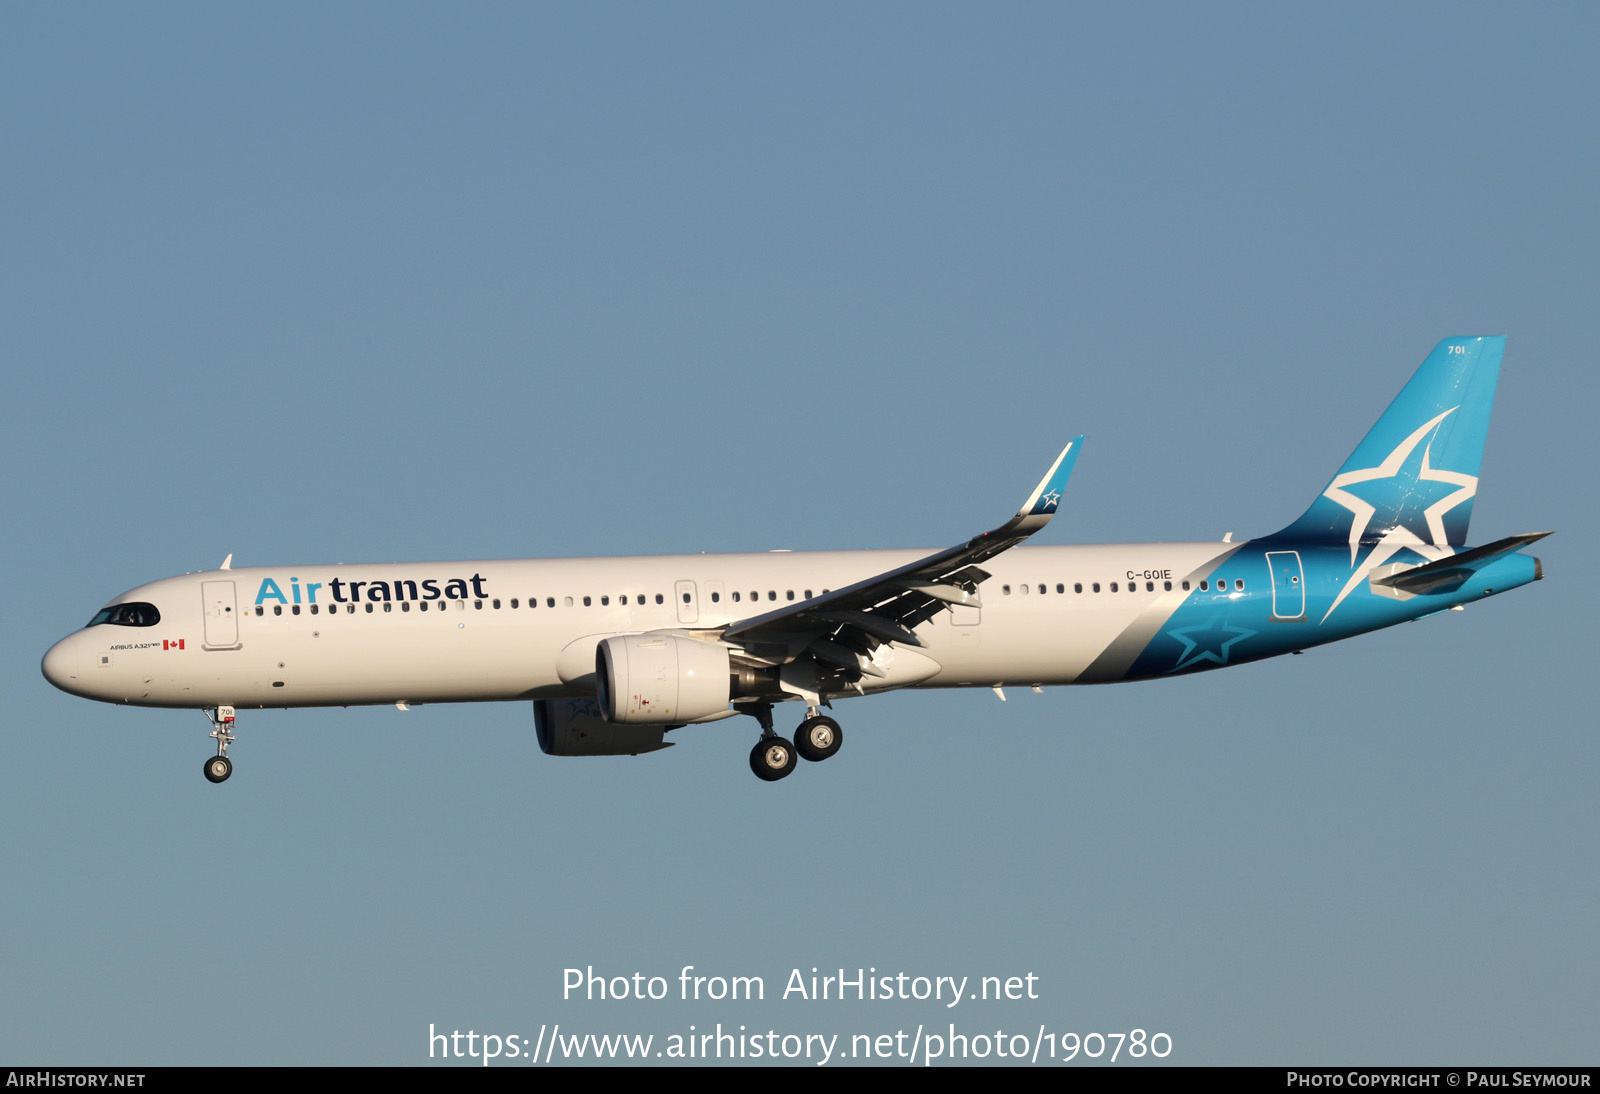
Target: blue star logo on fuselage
[1212,641]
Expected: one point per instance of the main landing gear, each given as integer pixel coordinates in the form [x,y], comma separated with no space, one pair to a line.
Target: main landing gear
[818,737]
[219,767]
[773,757]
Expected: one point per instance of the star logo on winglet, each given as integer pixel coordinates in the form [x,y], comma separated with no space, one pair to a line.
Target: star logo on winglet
[1050,500]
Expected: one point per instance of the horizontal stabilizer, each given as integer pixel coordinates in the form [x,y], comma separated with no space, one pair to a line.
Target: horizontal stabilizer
[1450,573]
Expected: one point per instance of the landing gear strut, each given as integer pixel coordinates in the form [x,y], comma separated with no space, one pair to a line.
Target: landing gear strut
[219,767]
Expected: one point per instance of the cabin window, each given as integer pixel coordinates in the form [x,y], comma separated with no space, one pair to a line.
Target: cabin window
[1166,586]
[1006,589]
[586,602]
[514,602]
[277,609]
[1150,586]
[1077,586]
[772,594]
[686,598]
[659,599]
[808,594]
[1096,586]
[1185,586]
[716,597]
[1113,586]
[388,606]
[736,596]
[605,602]
[788,594]
[1202,586]
[405,605]
[1042,590]
[1060,588]
[550,601]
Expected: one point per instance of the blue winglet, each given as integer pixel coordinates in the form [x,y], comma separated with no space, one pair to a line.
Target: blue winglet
[1047,495]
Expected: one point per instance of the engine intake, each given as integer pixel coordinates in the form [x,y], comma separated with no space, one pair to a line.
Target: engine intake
[660,679]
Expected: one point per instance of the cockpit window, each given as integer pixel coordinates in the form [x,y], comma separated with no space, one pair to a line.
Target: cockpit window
[128,615]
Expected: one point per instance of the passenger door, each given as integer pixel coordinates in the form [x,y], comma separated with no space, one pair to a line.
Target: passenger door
[221,615]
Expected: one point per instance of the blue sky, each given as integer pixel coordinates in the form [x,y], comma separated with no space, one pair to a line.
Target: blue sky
[404,282]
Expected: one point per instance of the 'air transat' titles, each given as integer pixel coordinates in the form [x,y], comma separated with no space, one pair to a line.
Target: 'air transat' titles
[351,592]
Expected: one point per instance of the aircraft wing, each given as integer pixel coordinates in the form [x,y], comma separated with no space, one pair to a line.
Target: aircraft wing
[843,627]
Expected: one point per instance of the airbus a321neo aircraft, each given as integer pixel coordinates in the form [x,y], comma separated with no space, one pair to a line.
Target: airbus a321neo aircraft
[615,652]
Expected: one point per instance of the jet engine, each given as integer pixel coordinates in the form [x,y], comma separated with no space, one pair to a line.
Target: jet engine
[574,727]
[660,679]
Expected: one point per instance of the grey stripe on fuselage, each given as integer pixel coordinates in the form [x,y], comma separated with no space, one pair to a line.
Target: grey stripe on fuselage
[1117,658]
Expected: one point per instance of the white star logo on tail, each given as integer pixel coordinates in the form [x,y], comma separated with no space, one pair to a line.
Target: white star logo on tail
[1399,537]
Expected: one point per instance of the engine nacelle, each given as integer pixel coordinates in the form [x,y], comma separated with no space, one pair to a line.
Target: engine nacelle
[660,679]
[574,727]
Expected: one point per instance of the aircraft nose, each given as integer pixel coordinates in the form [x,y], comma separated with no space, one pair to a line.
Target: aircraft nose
[61,665]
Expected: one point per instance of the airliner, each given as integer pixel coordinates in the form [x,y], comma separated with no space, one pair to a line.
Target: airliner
[615,653]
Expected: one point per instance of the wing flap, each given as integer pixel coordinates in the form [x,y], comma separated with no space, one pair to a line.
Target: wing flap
[888,607]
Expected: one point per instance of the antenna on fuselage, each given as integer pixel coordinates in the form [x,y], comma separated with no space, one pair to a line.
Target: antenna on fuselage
[227,563]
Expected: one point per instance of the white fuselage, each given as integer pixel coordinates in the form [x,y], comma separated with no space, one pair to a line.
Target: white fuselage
[524,629]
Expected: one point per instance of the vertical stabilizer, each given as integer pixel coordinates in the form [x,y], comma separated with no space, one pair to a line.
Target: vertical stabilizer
[1411,482]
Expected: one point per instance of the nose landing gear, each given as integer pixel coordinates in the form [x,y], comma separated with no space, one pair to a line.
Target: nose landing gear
[219,767]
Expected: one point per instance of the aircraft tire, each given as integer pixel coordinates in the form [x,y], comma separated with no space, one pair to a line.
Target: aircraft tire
[218,768]
[772,758]
[818,738]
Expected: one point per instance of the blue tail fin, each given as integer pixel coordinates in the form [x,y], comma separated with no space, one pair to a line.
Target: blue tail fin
[1411,482]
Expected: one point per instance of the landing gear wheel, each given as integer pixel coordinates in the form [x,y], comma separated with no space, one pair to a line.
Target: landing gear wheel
[218,768]
[772,758]
[818,738]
